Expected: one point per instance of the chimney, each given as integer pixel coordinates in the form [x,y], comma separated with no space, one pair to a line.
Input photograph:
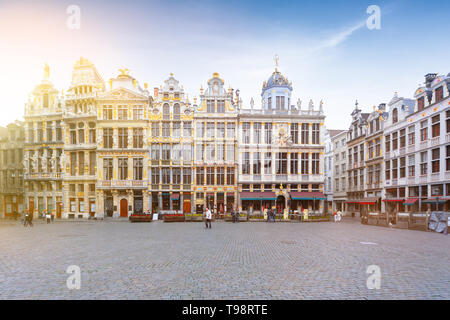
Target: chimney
[156,92]
[429,78]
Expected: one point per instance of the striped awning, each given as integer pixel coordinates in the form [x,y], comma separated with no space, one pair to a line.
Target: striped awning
[410,201]
[307,196]
[437,200]
[258,196]
[369,200]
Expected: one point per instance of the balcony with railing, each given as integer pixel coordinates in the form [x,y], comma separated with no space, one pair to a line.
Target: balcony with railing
[435,141]
[447,138]
[123,184]
[424,144]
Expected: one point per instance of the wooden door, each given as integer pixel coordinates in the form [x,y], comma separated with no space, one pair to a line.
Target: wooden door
[187,206]
[31,206]
[124,208]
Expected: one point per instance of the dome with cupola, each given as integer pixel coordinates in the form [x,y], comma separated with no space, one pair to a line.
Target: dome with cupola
[276,80]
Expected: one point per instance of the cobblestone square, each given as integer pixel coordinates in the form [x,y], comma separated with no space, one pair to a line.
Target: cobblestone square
[250,260]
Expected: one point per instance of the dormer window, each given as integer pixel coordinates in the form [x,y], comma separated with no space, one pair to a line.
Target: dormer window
[177,95]
[166,96]
[439,94]
[420,104]
[395,115]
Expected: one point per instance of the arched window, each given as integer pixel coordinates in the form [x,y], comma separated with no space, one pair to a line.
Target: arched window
[166,111]
[45,100]
[176,111]
[395,115]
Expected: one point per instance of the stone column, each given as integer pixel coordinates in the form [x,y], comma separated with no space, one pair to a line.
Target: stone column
[86,200]
[130,198]
[145,203]
[116,204]
[99,205]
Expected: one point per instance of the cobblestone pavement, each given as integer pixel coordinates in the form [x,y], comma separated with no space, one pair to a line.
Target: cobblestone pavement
[248,260]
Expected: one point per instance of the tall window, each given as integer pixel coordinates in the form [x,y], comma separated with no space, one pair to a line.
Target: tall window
[387,140]
[210,176]
[155,151]
[435,157]
[107,112]
[155,176]
[220,152]
[423,163]
[402,138]
[49,130]
[138,113]
[256,163]
[221,130]
[123,168]
[231,130]
[230,176]
[187,129]
[388,170]
[165,151]
[268,162]
[411,166]
[81,132]
[200,129]
[439,94]
[137,168]
[138,138]
[305,133]
[421,103]
[92,133]
[155,129]
[73,133]
[435,126]
[281,164]
[176,111]
[394,168]
[411,135]
[176,175]
[199,152]
[230,152]
[107,137]
[210,106]
[395,115]
[176,129]
[92,163]
[294,163]
[165,175]
[294,132]
[107,168]
[187,176]
[246,163]
[305,163]
[447,115]
[210,152]
[45,100]
[315,133]
[315,163]
[166,129]
[402,167]
[447,166]
[220,106]
[257,133]
[269,103]
[166,111]
[123,138]
[200,175]
[123,113]
[395,141]
[424,130]
[246,132]
[220,176]
[268,133]
[187,152]
[210,129]
[377,147]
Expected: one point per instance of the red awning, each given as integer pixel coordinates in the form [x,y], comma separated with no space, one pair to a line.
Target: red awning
[369,200]
[410,201]
[394,200]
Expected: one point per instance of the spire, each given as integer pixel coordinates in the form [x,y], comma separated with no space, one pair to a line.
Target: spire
[276,59]
[46,72]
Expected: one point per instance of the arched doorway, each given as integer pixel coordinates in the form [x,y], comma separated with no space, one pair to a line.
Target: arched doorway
[123,208]
[281,203]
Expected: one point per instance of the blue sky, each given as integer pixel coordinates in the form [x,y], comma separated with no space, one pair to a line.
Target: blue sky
[325,48]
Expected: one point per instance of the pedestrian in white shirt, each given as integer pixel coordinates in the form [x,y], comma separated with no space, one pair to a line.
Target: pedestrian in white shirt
[339,215]
[208,218]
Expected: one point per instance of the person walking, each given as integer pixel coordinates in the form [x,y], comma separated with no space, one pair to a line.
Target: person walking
[208,218]
[48,217]
[339,215]
[335,216]
[233,214]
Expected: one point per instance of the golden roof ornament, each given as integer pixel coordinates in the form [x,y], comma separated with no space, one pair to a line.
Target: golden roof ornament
[124,72]
[46,72]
